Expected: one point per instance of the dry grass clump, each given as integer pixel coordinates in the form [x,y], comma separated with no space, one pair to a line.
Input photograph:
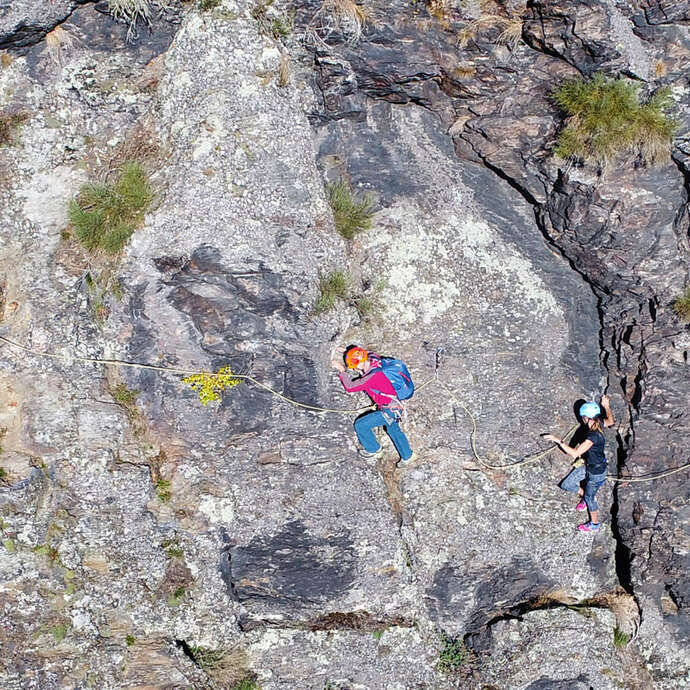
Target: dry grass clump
[57,41]
[464,70]
[440,10]
[496,14]
[228,667]
[509,36]
[606,118]
[660,69]
[140,144]
[284,70]
[10,121]
[135,12]
[342,19]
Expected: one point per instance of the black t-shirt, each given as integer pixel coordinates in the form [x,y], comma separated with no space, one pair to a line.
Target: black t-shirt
[595,459]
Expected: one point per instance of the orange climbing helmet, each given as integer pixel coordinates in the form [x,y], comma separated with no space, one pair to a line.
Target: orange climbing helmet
[355,356]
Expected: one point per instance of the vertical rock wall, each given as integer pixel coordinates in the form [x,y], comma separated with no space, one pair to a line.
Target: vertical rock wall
[149,541]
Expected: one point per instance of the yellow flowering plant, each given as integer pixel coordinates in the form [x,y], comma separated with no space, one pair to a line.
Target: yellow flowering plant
[209,386]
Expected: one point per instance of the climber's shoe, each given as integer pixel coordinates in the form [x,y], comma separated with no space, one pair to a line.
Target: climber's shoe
[589,527]
[406,463]
[366,454]
[581,506]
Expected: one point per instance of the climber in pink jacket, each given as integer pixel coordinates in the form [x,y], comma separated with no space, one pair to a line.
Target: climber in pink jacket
[376,385]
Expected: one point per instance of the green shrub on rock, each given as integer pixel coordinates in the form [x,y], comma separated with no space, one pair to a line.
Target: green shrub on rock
[104,216]
[453,656]
[606,118]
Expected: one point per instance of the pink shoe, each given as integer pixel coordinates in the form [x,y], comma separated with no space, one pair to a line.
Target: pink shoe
[589,527]
[581,507]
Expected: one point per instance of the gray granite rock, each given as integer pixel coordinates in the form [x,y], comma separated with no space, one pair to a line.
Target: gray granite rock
[138,536]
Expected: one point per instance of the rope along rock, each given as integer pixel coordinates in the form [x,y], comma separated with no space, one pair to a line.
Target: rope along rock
[317,409]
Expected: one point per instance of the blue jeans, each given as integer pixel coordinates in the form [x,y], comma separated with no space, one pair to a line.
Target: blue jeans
[592,485]
[364,428]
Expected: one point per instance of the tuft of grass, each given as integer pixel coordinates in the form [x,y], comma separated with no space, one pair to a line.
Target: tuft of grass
[10,121]
[453,655]
[682,306]
[127,399]
[105,216]
[177,596]
[282,26]
[351,214]
[130,640]
[378,634]
[59,632]
[366,306]
[606,118]
[163,492]
[124,395]
[227,667]
[46,550]
[333,286]
[208,659]
[205,5]
[172,548]
[620,638]
[370,303]
[3,473]
[248,683]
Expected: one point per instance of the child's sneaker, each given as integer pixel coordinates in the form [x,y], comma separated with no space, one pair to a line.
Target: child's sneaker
[581,507]
[366,454]
[589,527]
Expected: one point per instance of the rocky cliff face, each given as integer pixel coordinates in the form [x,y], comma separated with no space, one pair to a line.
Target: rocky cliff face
[150,541]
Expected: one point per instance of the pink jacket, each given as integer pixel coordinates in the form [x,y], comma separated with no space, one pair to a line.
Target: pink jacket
[373,384]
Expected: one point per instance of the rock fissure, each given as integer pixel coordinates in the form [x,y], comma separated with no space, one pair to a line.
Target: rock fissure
[21,37]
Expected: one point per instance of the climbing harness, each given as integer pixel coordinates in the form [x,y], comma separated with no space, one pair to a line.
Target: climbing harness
[317,409]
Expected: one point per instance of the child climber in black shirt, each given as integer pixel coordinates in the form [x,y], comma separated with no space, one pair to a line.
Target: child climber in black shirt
[594,469]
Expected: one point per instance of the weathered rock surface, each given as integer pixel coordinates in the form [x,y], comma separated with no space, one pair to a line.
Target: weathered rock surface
[137,535]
